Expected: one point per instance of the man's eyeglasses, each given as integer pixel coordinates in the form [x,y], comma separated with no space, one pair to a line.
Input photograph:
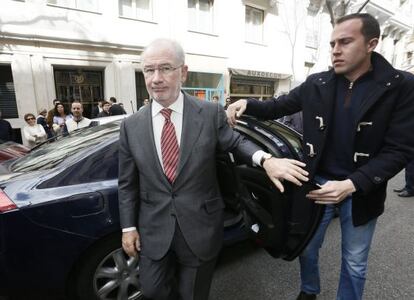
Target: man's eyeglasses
[164,70]
[31,118]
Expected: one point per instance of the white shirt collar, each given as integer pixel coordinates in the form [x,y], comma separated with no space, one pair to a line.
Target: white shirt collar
[177,106]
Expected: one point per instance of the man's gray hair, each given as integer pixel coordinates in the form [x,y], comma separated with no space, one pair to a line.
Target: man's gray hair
[173,45]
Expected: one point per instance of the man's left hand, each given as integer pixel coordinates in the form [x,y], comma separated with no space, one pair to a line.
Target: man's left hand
[279,169]
[332,192]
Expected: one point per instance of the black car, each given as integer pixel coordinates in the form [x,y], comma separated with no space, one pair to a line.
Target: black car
[59,222]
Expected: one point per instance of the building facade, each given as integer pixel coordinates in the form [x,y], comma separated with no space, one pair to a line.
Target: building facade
[90,49]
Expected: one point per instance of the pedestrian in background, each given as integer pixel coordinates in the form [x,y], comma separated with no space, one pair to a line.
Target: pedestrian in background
[215,99]
[6,131]
[115,108]
[408,189]
[78,120]
[106,105]
[60,116]
[33,133]
[144,103]
[358,133]
[51,114]
[41,119]
[97,109]
[228,102]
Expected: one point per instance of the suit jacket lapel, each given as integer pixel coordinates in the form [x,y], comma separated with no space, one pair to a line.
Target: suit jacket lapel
[192,125]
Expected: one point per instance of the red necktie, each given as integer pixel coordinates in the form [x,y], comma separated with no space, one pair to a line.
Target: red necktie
[169,146]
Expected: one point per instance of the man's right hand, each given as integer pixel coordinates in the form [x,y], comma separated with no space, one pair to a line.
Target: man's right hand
[235,110]
[131,243]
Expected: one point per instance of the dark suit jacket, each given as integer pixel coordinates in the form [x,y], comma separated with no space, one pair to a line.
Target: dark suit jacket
[148,200]
[383,131]
[116,109]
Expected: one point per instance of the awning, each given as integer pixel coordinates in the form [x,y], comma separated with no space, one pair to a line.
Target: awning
[259,74]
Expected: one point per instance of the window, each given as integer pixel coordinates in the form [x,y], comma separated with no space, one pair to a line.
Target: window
[88,5]
[77,84]
[49,156]
[312,31]
[409,56]
[200,15]
[241,87]
[8,104]
[99,166]
[136,9]
[254,24]
[205,85]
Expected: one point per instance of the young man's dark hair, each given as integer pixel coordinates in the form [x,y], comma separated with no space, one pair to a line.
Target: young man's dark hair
[112,99]
[370,27]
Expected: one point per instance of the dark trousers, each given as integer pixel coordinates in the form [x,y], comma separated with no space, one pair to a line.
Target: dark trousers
[409,177]
[179,275]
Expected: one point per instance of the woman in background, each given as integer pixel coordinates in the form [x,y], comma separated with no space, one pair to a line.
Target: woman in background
[33,133]
[41,119]
[61,115]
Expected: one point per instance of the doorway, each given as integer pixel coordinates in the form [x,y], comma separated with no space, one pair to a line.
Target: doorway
[85,86]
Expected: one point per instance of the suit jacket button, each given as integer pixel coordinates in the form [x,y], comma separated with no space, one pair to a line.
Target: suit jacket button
[377,179]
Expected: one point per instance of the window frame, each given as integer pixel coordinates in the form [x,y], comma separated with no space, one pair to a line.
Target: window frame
[134,9]
[246,24]
[197,28]
[97,11]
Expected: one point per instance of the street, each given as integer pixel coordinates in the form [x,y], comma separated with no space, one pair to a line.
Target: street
[245,272]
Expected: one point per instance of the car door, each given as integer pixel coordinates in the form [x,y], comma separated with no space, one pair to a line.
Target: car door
[281,223]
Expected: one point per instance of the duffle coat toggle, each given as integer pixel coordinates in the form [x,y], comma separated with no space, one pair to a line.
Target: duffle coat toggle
[311,150]
[360,154]
[363,124]
[322,126]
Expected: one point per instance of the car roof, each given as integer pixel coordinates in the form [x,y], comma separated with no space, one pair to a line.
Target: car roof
[108,119]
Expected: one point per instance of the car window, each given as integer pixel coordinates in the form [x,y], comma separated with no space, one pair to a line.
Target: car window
[99,166]
[50,155]
[293,139]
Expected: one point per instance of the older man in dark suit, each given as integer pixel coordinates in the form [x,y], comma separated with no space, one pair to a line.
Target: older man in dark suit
[171,209]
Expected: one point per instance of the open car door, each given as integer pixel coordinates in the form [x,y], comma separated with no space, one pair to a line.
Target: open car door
[283,224]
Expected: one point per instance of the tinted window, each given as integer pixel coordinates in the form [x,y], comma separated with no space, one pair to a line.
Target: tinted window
[50,155]
[99,166]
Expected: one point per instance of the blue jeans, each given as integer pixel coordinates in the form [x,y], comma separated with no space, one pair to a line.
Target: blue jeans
[356,242]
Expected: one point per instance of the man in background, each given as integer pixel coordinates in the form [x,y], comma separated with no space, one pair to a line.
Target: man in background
[78,120]
[408,189]
[6,131]
[97,109]
[115,108]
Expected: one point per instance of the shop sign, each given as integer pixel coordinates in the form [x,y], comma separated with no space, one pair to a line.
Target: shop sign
[261,74]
